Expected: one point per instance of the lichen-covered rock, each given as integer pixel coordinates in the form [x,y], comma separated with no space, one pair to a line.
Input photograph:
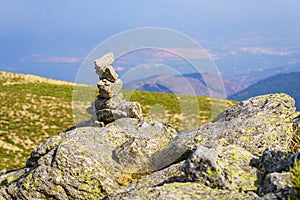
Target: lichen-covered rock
[185,190]
[43,149]
[222,167]
[87,163]
[275,161]
[217,173]
[172,183]
[277,183]
[275,180]
[296,124]
[295,145]
[235,139]
[180,190]
[256,124]
[202,167]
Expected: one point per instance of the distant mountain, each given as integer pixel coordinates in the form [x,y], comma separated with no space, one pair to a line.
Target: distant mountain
[282,83]
[245,79]
[189,84]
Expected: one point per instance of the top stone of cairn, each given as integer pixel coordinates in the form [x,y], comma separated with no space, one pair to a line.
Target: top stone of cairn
[106,60]
[104,69]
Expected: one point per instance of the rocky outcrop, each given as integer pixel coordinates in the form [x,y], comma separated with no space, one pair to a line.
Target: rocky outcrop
[87,162]
[255,124]
[225,158]
[245,153]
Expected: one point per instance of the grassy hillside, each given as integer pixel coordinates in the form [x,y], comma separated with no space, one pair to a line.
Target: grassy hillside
[35,108]
[282,83]
[32,109]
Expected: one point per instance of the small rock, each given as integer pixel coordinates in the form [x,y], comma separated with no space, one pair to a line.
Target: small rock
[98,124]
[106,60]
[104,103]
[133,109]
[110,103]
[275,183]
[108,115]
[222,167]
[107,73]
[108,89]
[202,167]
[274,161]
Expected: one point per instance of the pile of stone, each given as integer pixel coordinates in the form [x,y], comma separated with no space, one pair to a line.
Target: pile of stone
[110,104]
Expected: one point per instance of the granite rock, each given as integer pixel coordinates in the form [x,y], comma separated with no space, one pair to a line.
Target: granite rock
[104,61]
[109,89]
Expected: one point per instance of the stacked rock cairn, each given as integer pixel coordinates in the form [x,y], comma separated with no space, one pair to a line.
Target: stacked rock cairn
[110,104]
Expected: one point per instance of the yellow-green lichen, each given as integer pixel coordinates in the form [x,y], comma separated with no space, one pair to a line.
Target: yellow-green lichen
[235,163]
[172,172]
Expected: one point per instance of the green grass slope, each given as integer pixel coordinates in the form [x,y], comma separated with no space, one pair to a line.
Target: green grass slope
[35,108]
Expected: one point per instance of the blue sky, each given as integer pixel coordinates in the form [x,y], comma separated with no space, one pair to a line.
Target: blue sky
[51,38]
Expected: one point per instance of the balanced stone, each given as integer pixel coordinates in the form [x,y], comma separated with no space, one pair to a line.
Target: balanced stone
[104,103]
[104,61]
[109,89]
[109,115]
[107,72]
[111,103]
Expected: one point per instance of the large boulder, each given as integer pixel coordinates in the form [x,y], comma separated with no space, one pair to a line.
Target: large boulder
[228,158]
[256,124]
[88,162]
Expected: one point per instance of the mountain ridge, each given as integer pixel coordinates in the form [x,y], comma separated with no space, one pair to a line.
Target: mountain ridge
[287,83]
[188,84]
